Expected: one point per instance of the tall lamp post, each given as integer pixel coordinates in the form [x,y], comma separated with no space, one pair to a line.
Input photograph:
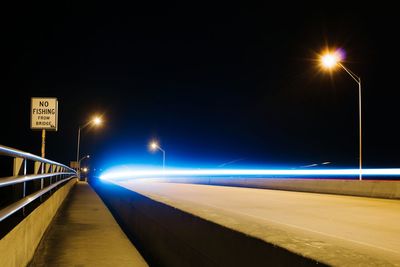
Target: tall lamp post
[95,121]
[330,60]
[154,146]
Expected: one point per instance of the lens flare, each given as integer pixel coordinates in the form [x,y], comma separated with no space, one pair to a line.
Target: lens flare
[331,58]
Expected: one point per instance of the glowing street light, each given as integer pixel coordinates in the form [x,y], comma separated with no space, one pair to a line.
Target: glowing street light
[154,146]
[96,121]
[331,60]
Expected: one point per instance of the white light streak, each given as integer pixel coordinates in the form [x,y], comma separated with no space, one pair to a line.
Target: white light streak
[126,174]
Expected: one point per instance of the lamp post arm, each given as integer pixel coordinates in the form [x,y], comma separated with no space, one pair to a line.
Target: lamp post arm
[352,75]
[82,159]
[85,125]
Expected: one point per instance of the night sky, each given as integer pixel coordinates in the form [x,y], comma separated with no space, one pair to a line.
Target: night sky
[213,83]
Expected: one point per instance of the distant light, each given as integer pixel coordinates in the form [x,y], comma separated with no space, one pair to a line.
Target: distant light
[153,145]
[311,165]
[128,174]
[85,169]
[97,121]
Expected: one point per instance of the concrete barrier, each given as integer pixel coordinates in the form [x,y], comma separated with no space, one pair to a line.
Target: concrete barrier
[167,236]
[366,188]
[19,245]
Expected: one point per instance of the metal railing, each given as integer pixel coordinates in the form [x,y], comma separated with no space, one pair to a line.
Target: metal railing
[57,174]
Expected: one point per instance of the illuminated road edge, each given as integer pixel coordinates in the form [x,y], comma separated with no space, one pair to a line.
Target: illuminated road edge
[131,173]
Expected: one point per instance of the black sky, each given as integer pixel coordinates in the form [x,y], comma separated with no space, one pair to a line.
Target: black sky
[213,82]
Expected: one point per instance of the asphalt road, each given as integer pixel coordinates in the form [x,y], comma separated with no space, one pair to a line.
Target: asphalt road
[337,230]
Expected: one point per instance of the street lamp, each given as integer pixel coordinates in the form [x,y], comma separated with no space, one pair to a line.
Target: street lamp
[154,146]
[95,121]
[79,164]
[85,157]
[330,60]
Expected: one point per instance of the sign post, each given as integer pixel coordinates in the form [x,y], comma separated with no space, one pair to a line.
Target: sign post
[43,154]
[44,116]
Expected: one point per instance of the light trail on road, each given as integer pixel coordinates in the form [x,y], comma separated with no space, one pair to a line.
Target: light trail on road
[117,174]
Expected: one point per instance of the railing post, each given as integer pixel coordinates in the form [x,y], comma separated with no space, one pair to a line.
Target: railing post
[48,170]
[47,167]
[37,170]
[57,168]
[42,170]
[20,169]
[51,171]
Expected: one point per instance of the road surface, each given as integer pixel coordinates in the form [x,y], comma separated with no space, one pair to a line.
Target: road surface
[337,230]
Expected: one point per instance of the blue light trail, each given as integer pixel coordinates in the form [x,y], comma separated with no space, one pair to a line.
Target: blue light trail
[134,173]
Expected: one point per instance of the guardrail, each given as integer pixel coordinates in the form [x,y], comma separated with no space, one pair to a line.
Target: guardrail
[43,168]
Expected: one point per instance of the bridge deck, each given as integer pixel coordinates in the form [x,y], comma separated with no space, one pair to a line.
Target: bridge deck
[332,229]
[84,233]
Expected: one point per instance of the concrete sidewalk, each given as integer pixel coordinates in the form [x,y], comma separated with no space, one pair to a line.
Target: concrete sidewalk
[84,233]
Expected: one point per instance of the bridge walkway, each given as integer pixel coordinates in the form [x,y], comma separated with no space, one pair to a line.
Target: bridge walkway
[84,233]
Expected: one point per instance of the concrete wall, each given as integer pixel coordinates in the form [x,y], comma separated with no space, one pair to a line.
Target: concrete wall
[166,236]
[19,245]
[365,188]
